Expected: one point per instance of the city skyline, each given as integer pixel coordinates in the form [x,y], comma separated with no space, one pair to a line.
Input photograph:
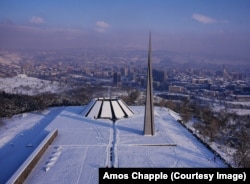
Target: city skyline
[214,27]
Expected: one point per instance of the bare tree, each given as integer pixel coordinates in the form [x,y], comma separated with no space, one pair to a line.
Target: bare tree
[1,122]
[213,128]
[185,110]
[171,105]
[242,155]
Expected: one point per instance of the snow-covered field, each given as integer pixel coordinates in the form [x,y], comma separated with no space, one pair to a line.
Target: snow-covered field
[238,111]
[83,145]
[22,84]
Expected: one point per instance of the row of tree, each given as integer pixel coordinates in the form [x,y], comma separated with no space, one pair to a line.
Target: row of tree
[223,127]
[12,104]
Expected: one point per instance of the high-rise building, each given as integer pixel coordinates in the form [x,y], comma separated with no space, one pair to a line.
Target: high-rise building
[124,71]
[159,75]
[117,79]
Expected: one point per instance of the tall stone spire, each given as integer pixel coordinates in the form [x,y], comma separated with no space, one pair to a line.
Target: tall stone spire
[149,107]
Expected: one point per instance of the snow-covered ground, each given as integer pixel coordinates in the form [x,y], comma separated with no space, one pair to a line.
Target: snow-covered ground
[225,151]
[19,136]
[240,103]
[238,111]
[22,84]
[83,145]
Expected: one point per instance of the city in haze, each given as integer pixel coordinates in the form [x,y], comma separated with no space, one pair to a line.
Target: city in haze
[199,48]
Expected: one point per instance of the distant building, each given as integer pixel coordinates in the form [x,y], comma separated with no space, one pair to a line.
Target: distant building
[159,75]
[219,73]
[176,89]
[237,76]
[124,71]
[200,81]
[117,79]
[243,98]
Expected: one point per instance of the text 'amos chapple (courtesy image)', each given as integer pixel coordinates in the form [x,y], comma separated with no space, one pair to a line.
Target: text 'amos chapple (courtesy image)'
[157,175]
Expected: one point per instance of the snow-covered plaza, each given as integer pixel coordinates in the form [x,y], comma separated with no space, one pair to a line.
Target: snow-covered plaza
[85,144]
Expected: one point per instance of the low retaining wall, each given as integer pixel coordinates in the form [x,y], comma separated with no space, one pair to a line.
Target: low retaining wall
[24,170]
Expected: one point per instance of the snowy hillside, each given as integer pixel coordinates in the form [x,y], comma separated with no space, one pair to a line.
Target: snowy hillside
[84,144]
[23,84]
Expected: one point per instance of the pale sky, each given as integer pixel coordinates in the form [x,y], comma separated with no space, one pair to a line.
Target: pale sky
[209,26]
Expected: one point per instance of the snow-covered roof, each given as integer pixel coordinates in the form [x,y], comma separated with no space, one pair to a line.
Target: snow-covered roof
[107,108]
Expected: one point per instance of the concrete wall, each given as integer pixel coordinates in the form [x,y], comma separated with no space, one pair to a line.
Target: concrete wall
[24,170]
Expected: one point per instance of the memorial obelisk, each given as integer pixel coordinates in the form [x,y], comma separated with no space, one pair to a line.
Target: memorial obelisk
[149,107]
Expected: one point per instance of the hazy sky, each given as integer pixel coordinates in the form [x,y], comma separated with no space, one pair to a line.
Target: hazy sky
[209,26]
